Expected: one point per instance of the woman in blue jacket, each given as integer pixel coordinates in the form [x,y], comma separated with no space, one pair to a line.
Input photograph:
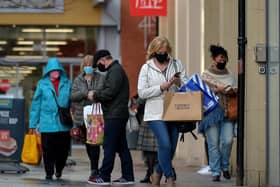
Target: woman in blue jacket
[53,88]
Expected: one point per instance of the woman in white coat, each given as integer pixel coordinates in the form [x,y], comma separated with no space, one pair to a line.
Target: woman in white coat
[161,73]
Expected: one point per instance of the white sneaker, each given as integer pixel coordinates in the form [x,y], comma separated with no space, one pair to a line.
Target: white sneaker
[204,171]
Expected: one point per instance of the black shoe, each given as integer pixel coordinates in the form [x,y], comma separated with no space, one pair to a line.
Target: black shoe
[216,178]
[146,180]
[48,177]
[58,175]
[226,175]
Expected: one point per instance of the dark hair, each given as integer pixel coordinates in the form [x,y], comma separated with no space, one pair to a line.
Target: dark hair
[218,50]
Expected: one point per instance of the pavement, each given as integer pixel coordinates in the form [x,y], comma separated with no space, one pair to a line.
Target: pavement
[77,175]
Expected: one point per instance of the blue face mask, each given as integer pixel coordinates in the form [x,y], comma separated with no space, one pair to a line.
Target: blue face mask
[88,70]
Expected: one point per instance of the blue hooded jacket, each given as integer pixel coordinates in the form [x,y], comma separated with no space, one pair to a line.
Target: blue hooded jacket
[44,110]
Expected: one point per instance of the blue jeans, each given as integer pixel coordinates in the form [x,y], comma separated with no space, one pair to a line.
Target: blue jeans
[166,134]
[219,139]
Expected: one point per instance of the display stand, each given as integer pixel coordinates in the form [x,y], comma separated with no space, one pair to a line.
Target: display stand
[12,130]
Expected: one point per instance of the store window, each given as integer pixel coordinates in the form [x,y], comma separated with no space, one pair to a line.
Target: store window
[24,51]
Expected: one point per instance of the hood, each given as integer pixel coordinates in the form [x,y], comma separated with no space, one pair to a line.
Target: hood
[53,64]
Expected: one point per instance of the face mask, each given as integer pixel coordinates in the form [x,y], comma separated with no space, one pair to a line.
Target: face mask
[101,67]
[88,70]
[54,75]
[221,65]
[161,58]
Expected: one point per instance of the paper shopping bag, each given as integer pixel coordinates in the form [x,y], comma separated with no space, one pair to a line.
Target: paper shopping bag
[32,149]
[94,124]
[183,106]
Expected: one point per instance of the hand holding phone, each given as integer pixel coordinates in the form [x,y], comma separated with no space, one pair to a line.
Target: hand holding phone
[177,74]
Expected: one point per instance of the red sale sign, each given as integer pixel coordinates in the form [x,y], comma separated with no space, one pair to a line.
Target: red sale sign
[148,7]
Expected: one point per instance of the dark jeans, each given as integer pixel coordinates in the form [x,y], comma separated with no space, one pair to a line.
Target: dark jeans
[115,142]
[55,151]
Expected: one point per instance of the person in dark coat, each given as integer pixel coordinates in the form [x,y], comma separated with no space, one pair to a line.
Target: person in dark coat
[114,98]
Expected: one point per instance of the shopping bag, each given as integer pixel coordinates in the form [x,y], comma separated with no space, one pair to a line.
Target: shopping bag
[195,83]
[32,149]
[232,108]
[132,130]
[183,106]
[93,117]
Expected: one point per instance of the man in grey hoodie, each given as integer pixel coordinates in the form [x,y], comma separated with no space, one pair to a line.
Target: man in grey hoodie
[114,99]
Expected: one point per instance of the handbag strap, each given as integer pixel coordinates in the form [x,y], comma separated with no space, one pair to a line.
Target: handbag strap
[56,100]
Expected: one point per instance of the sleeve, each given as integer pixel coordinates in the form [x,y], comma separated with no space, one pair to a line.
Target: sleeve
[144,90]
[78,92]
[34,116]
[183,74]
[111,87]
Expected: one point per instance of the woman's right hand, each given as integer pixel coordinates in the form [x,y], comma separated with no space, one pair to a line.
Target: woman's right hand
[32,131]
[165,86]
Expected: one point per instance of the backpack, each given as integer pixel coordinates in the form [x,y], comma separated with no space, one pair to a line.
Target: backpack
[185,127]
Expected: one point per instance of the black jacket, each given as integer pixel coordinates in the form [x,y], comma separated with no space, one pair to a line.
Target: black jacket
[115,93]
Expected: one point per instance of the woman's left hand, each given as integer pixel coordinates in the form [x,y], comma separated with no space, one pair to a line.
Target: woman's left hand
[175,80]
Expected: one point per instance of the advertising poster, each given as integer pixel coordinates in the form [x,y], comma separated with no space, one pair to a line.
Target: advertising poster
[12,112]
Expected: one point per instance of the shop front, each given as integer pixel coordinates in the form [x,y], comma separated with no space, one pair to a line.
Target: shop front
[28,39]
[273,86]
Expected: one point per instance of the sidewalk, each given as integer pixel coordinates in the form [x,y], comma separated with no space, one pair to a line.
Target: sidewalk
[77,175]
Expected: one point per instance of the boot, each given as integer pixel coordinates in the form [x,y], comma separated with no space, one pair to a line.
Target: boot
[147,177]
[170,182]
[155,178]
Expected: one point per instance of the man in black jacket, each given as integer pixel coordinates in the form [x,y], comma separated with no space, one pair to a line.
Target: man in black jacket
[114,99]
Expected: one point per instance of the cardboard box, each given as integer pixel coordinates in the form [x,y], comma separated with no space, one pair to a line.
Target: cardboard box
[183,106]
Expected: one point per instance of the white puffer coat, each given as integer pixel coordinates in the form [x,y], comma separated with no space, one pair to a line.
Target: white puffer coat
[149,81]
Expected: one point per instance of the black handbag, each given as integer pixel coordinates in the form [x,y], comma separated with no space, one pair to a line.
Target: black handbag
[186,127]
[64,115]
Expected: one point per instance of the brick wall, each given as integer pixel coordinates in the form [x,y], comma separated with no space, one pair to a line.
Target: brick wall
[132,44]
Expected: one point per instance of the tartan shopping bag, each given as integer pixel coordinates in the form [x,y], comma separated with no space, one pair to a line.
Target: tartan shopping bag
[93,118]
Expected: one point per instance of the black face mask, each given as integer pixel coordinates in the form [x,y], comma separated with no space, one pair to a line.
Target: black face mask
[221,66]
[161,58]
[101,67]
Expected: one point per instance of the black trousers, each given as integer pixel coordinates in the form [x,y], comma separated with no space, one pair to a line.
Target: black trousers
[93,152]
[55,147]
[115,142]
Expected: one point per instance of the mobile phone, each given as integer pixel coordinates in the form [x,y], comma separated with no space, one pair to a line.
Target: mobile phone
[177,74]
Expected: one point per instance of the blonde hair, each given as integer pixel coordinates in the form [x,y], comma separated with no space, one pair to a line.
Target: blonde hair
[156,44]
[86,61]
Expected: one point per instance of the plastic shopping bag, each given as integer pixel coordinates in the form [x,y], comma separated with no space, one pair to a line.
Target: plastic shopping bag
[32,149]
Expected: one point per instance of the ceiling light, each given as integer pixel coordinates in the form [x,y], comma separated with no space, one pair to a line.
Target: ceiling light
[59,30]
[52,49]
[32,30]
[54,43]
[2,42]
[25,42]
[23,49]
